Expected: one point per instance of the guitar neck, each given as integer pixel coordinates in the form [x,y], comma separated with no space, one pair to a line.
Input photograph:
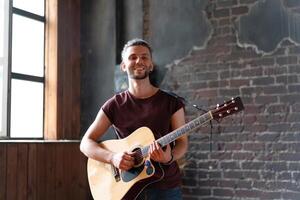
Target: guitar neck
[172,136]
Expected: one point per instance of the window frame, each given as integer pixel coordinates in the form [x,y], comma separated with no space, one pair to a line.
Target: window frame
[19,76]
[6,35]
[62,72]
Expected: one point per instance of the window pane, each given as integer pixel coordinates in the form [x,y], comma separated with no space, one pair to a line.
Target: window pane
[27,46]
[1,97]
[26,109]
[33,6]
[4,7]
[2,15]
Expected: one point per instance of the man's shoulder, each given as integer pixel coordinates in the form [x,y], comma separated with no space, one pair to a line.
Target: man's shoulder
[118,97]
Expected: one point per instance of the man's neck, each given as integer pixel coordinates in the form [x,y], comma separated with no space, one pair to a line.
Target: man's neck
[142,88]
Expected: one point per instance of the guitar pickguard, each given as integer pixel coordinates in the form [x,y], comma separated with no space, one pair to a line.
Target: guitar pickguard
[131,174]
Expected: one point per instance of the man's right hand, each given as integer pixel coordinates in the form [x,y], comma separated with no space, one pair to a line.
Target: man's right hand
[123,161]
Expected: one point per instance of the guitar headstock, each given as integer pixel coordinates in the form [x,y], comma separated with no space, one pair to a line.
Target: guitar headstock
[228,108]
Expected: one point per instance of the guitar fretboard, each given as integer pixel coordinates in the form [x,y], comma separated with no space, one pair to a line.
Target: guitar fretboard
[172,136]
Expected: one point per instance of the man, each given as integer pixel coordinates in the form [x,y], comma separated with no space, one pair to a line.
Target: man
[141,105]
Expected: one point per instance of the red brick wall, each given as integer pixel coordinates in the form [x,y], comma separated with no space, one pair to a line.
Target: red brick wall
[256,153]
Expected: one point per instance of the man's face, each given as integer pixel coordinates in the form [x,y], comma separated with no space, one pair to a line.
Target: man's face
[137,62]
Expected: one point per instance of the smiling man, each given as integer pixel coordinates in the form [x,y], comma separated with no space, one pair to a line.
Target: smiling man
[141,105]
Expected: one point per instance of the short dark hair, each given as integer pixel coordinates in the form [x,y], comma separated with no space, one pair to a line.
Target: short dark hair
[136,42]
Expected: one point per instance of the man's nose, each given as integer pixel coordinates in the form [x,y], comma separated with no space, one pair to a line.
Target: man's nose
[139,60]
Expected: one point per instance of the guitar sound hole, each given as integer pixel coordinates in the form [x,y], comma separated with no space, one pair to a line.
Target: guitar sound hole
[139,159]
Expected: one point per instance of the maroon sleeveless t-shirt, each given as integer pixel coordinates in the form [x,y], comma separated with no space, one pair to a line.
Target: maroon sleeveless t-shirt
[128,113]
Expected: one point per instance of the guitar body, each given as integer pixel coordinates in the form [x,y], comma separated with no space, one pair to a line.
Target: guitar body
[103,184]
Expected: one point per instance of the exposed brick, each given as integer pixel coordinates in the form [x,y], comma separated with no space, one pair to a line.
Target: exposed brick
[266,99]
[291,195]
[207,165]
[279,127]
[253,165]
[208,183]
[230,165]
[254,146]
[294,69]
[239,82]
[234,174]
[289,156]
[196,191]
[246,184]
[287,79]
[285,176]
[227,3]
[294,117]
[276,166]
[233,146]
[293,98]
[252,72]
[268,137]
[268,71]
[243,156]
[270,195]
[221,13]
[296,107]
[290,136]
[214,174]
[287,60]
[264,62]
[294,88]
[207,93]
[255,153]
[229,92]
[227,183]
[275,89]
[278,108]
[294,166]
[239,10]
[223,192]
[263,81]
[218,83]
[248,193]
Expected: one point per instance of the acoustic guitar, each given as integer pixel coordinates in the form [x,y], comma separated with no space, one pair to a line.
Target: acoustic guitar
[109,183]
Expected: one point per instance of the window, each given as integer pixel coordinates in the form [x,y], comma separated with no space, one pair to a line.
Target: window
[24,79]
[4,8]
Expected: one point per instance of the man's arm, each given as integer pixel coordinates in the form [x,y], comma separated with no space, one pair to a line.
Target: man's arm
[181,144]
[91,149]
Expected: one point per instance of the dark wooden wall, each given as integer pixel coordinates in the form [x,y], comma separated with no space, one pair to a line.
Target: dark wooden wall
[42,171]
[52,168]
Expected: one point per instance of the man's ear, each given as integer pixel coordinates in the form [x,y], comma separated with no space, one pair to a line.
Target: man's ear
[152,67]
[123,67]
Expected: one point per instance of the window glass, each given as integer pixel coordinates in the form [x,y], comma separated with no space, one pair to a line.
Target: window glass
[33,6]
[27,46]
[3,63]
[2,28]
[26,109]
[1,97]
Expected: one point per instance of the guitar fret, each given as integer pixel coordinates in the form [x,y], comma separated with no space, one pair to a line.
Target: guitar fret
[172,136]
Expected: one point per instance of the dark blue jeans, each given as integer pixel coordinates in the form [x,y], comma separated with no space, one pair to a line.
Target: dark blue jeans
[160,194]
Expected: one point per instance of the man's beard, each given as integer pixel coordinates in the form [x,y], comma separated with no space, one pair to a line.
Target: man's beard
[139,76]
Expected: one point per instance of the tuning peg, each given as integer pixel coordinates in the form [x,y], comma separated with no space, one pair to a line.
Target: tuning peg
[236,108]
[228,111]
[232,100]
[220,115]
